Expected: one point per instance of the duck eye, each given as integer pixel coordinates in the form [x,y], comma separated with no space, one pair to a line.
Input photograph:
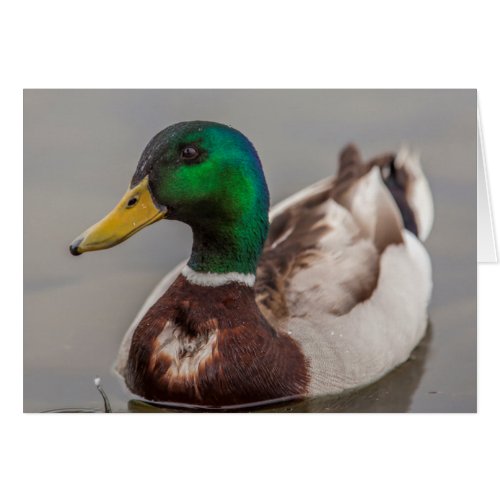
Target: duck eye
[132,201]
[189,153]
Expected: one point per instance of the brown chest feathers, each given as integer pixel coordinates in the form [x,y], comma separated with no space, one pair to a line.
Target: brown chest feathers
[212,347]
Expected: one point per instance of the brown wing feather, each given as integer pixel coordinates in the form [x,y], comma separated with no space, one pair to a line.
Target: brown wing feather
[294,240]
[351,168]
[299,227]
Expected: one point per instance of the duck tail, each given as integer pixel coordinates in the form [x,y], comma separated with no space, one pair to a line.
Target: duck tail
[351,165]
[403,176]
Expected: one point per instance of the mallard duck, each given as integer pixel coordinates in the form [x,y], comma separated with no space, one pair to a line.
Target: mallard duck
[324,294]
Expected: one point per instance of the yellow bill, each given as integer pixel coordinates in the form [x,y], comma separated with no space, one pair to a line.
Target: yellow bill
[135,210]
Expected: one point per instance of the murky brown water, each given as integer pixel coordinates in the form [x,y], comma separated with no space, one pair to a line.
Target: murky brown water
[81,148]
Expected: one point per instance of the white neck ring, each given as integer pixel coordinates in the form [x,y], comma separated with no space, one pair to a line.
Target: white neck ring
[217,279]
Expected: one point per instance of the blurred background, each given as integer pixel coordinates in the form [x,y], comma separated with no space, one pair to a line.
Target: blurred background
[81,148]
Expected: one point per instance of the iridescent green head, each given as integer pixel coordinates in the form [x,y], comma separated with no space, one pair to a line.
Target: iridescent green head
[207,175]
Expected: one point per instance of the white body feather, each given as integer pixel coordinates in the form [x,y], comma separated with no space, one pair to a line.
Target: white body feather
[375,336]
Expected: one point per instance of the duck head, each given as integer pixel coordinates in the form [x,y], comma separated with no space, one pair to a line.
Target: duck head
[205,174]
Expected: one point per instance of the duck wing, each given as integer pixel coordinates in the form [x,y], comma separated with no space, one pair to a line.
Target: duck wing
[324,245]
